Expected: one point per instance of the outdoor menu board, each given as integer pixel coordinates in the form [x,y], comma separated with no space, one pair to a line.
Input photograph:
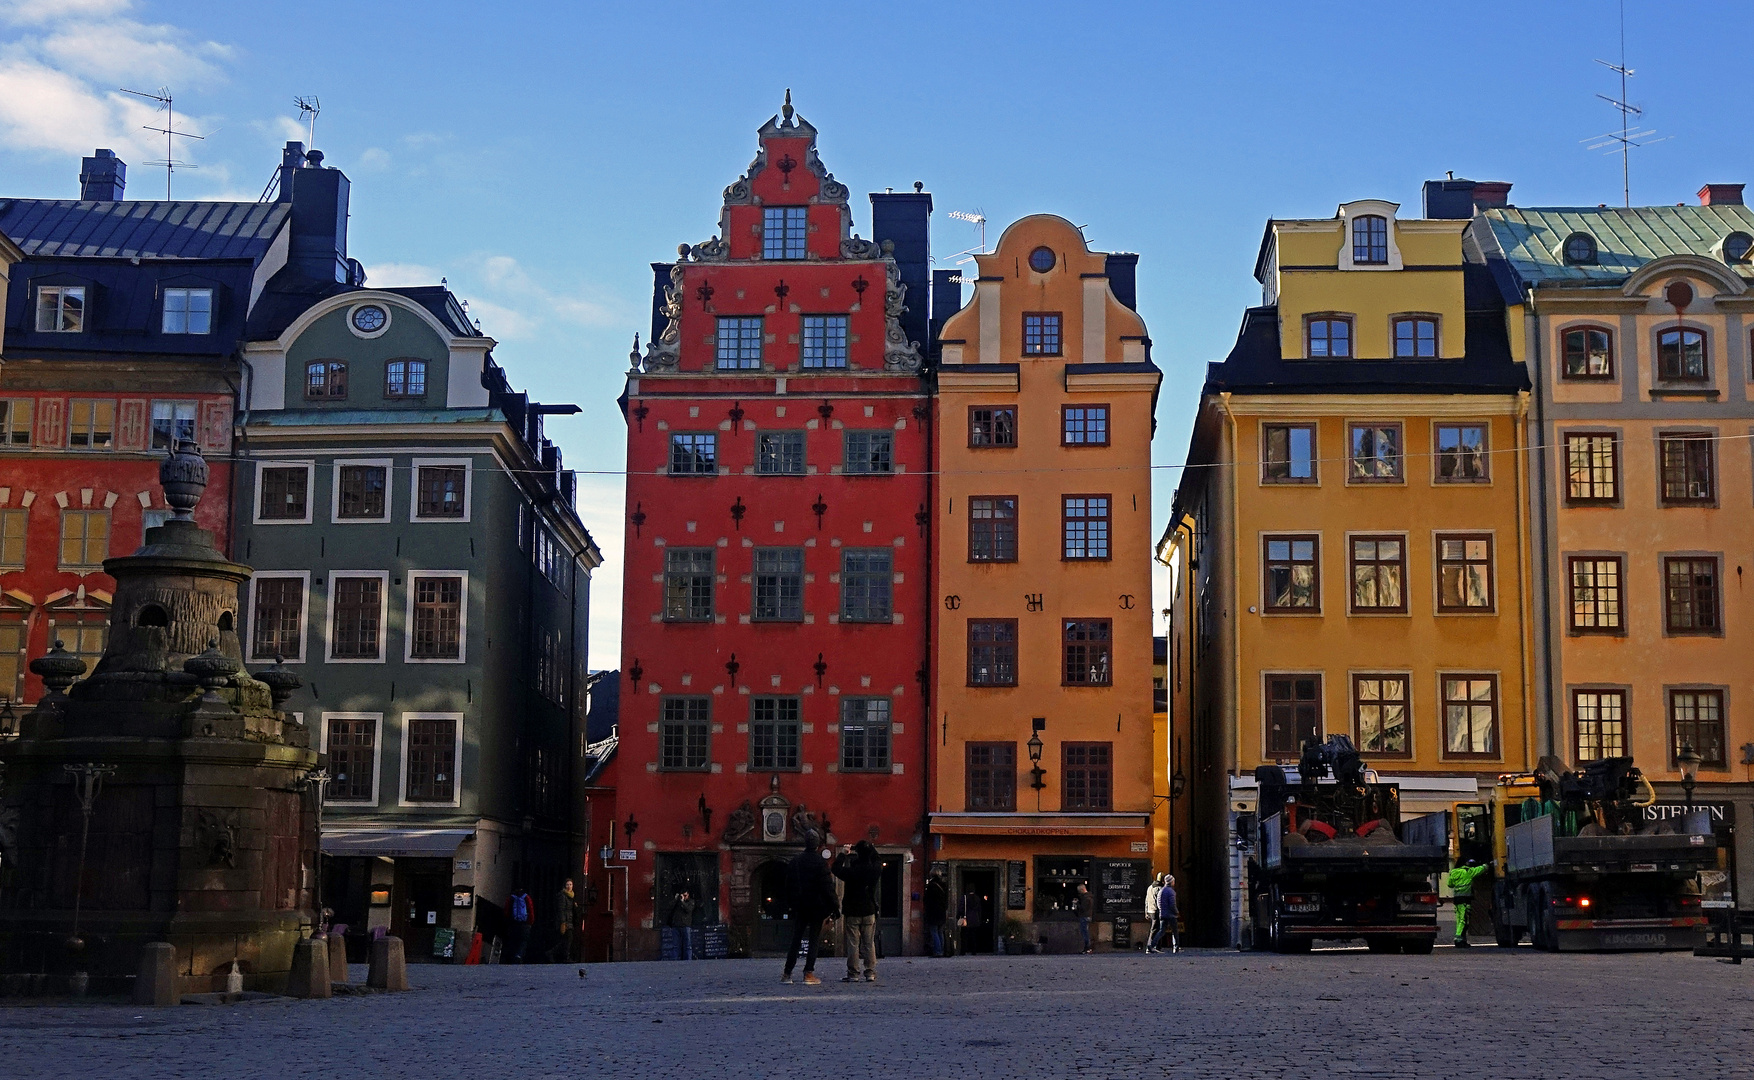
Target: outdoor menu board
[1016,885]
[1121,884]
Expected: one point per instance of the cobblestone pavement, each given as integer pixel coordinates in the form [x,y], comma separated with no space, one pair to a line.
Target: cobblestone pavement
[1482,1013]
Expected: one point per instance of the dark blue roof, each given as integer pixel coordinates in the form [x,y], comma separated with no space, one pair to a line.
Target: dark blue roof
[144,229]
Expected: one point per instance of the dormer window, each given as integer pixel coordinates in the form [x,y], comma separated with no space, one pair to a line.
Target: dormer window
[1737,247]
[1580,249]
[60,309]
[1328,337]
[188,311]
[1370,240]
[783,229]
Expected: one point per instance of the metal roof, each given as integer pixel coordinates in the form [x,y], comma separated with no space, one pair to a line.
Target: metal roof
[1626,238]
[138,228]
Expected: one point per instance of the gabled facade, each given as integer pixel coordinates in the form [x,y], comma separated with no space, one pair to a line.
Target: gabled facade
[1638,328]
[1353,521]
[1043,644]
[776,596]
[419,563]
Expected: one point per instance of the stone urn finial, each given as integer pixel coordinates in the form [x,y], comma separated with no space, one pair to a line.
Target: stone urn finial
[213,668]
[183,476]
[58,669]
[281,682]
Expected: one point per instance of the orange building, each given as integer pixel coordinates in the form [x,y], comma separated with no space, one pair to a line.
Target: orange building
[1043,774]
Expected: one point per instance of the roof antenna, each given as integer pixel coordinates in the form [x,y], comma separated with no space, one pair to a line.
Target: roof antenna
[978,219]
[1623,141]
[308,108]
[169,131]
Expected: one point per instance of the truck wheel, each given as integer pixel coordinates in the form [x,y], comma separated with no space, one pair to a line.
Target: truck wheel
[1506,935]
[1382,944]
[1419,946]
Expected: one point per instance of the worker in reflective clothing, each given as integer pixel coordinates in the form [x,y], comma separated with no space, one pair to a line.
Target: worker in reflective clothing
[1461,884]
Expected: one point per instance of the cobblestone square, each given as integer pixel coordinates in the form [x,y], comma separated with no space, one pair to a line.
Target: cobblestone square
[1487,1012]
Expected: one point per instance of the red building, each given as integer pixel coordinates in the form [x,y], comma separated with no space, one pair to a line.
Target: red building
[775,612]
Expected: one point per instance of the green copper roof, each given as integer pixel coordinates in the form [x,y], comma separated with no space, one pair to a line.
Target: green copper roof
[1626,239]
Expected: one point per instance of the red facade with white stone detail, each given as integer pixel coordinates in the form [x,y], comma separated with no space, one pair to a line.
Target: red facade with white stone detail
[693,821]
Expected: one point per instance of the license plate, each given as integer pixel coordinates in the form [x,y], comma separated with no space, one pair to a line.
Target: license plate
[1303,909]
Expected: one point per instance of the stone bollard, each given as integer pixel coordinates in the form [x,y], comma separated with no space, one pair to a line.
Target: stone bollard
[337,958]
[389,969]
[309,977]
[156,983]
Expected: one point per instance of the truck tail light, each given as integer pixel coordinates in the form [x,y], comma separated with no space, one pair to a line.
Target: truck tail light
[1418,900]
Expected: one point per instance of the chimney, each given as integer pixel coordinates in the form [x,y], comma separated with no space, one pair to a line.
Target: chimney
[319,215]
[1709,195]
[292,157]
[1122,268]
[1450,198]
[1490,194]
[102,177]
[904,219]
[946,301]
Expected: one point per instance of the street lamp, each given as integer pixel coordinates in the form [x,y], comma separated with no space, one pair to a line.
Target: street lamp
[8,719]
[1036,772]
[1689,761]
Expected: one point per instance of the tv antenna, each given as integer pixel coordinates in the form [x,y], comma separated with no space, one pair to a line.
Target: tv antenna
[978,219]
[308,108]
[170,133]
[1632,133]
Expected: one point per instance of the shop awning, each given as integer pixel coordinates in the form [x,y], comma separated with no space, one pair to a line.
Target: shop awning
[412,843]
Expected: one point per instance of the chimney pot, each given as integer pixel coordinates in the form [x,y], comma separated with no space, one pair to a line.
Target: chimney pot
[314,158]
[1720,195]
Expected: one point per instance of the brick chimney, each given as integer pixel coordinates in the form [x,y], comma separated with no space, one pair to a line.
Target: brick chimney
[103,176]
[1491,193]
[1709,195]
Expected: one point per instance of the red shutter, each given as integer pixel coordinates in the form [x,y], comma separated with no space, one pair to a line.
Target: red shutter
[215,426]
[131,425]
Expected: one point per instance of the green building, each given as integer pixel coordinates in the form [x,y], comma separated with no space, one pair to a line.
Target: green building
[420,564]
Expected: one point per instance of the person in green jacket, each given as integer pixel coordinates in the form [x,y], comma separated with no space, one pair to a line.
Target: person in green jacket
[1461,884]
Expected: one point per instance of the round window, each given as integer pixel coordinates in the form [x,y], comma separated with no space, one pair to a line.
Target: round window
[1041,260]
[1737,245]
[369,318]
[1580,249]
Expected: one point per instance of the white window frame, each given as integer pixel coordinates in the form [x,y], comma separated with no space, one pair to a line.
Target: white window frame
[60,292]
[188,291]
[468,465]
[383,656]
[456,761]
[408,656]
[310,468]
[386,464]
[377,751]
[304,616]
[195,419]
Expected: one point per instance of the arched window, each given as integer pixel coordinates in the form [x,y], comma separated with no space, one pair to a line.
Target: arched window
[1681,354]
[1580,249]
[1370,239]
[405,379]
[1328,337]
[325,379]
[1416,337]
[1588,353]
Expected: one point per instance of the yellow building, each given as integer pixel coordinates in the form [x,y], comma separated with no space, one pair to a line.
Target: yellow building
[1355,533]
[1043,776]
[1638,325]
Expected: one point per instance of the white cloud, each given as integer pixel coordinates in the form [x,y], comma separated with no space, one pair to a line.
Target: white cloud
[59,77]
[372,159]
[599,501]
[390,275]
[502,323]
[509,282]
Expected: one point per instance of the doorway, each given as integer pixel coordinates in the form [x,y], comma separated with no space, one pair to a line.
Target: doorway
[773,909]
[421,904]
[975,908]
[889,911]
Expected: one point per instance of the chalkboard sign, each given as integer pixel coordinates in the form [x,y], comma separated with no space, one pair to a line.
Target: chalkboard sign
[444,942]
[1016,885]
[1122,885]
[718,941]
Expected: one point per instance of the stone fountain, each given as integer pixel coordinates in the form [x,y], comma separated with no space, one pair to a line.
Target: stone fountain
[201,830]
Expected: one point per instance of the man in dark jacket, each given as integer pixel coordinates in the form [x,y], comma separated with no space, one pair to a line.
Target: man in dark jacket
[862,870]
[813,900]
[937,910]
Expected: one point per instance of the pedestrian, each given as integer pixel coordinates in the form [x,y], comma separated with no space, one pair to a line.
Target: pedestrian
[1086,908]
[1169,913]
[1461,886]
[1156,923]
[937,910]
[566,910]
[862,869]
[681,920]
[813,900]
[972,918]
[520,918]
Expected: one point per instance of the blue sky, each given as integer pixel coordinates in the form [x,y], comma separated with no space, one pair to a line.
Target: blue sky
[540,155]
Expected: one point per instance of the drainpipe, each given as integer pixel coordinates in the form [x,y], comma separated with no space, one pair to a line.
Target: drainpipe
[1543,493]
[1232,750]
[240,455]
[1523,531]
